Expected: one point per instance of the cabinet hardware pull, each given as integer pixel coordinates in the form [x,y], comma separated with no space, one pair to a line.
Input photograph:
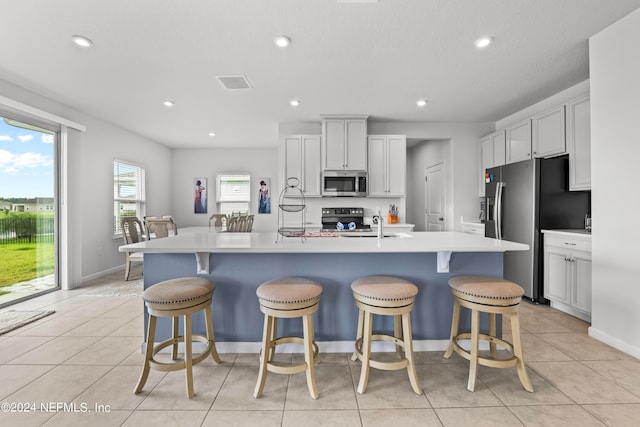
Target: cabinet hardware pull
[570,244]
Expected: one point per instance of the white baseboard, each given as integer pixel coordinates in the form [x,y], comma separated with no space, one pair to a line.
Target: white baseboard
[102,273]
[614,342]
[323,347]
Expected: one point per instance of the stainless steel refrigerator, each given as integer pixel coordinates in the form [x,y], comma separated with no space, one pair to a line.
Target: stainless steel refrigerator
[521,200]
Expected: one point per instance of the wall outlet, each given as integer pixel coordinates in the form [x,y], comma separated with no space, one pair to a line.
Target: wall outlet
[99,250]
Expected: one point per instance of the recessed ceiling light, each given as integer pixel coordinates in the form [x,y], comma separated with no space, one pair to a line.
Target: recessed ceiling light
[294,102]
[81,41]
[421,102]
[282,41]
[483,42]
[168,103]
[212,134]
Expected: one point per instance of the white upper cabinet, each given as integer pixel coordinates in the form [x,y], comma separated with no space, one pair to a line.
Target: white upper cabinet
[302,161]
[493,153]
[387,165]
[519,142]
[579,143]
[548,133]
[344,143]
[499,148]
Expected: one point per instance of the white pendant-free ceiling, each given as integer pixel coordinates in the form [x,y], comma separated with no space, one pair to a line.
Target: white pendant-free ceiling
[374,58]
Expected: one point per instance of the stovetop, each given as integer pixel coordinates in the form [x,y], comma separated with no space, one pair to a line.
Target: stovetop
[344,219]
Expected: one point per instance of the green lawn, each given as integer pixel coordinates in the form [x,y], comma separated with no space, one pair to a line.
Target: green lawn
[20,262]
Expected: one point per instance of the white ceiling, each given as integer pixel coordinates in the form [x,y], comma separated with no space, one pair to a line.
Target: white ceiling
[375,59]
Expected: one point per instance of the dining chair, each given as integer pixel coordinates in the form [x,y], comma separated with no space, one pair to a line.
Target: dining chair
[159,227]
[132,232]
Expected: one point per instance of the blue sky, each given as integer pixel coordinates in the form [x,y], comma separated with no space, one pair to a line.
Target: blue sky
[26,162]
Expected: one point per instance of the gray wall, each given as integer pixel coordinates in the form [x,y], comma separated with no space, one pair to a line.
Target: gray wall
[419,157]
[186,164]
[615,149]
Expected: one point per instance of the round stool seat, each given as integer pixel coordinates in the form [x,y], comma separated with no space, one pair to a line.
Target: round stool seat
[494,296]
[384,291]
[282,298]
[175,298]
[486,290]
[289,293]
[178,294]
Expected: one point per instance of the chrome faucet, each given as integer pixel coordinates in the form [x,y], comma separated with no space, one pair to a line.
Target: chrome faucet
[380,227]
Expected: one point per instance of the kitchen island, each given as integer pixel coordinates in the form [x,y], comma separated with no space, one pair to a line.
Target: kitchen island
[240,262]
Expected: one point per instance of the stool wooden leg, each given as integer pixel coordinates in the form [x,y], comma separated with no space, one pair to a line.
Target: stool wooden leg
[366,352]
[492,332]
[308,334]
[408,351]
[517,351]
[148,354]
[397,333]
[210,334]
[455,323]
[272,338]
[473,363]
[174,350]
[188,354]
[354,356]
[264,355]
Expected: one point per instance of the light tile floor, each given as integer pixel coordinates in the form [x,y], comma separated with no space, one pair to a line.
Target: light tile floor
[87,356]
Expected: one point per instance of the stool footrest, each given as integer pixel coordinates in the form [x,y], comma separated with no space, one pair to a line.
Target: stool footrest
[181,364]
[385,366]
[486,361]
[287,368]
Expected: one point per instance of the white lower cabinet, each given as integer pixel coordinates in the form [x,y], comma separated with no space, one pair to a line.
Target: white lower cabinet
[567,273]
[473,228]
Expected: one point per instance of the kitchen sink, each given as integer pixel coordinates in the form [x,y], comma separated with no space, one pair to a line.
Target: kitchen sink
[371,234]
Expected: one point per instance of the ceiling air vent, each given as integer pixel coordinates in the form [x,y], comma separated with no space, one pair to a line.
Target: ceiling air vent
[234,82]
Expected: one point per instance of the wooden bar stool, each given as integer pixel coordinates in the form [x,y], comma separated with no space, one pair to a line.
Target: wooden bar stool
[174,298]
[288,297]
[387,296]
[490,295]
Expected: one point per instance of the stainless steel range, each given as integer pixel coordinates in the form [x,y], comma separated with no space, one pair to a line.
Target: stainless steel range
[344,219]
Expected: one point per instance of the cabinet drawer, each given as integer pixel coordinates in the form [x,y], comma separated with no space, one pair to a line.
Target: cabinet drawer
[473,229]
[568,242]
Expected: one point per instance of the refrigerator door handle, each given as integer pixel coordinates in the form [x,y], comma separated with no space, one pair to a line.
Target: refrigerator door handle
[498,210]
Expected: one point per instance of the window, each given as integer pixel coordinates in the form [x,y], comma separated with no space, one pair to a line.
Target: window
[128,192]
[234,193]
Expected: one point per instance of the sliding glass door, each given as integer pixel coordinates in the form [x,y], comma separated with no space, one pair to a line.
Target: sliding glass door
[28,209]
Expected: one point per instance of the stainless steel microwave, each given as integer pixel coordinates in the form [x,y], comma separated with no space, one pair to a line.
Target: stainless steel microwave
[344,184]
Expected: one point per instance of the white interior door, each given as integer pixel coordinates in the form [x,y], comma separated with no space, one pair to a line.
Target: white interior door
[434,197]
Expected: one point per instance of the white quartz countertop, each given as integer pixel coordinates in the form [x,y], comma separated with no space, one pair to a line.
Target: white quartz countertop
[202,239]
[573,232]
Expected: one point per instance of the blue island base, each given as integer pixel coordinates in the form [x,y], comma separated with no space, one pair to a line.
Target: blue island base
[237,318]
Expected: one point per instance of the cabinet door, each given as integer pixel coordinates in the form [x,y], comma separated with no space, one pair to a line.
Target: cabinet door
[518,142]
[499,148]
[311,165]
[356,140]
[579,143]
[396,166]
[548,133]
[377,166]
[487,154]
[581,283]
[334,144]
[556,274]
[293,157]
